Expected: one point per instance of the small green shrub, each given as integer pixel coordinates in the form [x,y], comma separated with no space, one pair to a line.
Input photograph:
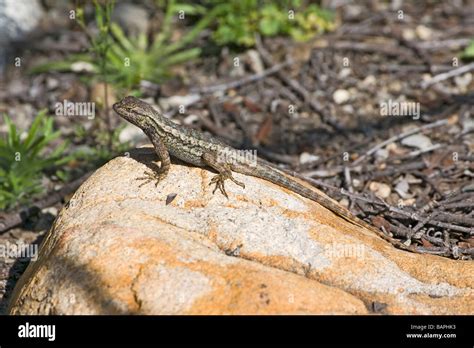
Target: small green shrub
[242,19]
[468,53]
[23,161]
[125,61]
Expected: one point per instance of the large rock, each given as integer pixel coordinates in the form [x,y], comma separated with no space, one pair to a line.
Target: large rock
[117,248]
[17,20]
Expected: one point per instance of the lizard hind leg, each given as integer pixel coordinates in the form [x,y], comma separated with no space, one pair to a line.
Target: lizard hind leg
[219,180]
[225,173]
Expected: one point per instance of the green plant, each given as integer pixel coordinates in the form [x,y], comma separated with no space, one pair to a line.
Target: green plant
[101,42]
[468,53]
[125,61]
[23,160]
[242,19]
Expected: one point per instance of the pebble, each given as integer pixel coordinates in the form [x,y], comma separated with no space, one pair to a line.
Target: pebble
[345,72]
[348,109]
[51,83]
[341,96]
[307,157]
[82,67]
[255,61]
[179,100]
[468,124]
[190,119]
[381,154]
[395,87]
[369,81]
[408,34]
[419,141]
[50,210]
[381,190]
[402,189]
[423,32]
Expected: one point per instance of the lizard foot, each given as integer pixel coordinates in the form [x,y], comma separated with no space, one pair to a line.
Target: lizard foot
[151,177]
[219,180]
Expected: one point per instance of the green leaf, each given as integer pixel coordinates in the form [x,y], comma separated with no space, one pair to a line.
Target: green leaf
[469,51]
[20,180]
[34,128]
[268,26]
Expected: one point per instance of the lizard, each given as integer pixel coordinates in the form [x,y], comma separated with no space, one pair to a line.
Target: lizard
[203,150]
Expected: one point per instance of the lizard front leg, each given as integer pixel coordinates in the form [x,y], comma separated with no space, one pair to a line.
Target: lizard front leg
[224,169]
[163,157]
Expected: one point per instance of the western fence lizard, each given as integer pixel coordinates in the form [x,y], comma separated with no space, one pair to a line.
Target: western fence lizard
[199,149]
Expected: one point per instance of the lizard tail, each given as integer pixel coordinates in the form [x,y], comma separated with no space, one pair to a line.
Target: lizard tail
[279,178]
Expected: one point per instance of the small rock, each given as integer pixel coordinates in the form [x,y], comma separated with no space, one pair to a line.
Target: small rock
[411,179]
[190,119]
[369,81]
[381,190]
[419,141]
[50,210]
[255,62]
[341,96]
[237,71]
[345,72]
[348,109]
[426,77]
[344,202]
[82,67]
[395,86]
[179,100]
[393,148]
[408,34]
[381,154]
[51,83]
[409,202]
[468,124]
[306,157]
[402,189]
[356,183]
[423,32]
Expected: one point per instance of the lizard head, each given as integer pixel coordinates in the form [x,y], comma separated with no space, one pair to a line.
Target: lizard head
[134,110]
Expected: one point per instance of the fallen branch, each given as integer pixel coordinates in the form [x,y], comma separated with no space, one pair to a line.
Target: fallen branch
[398,137]
[444,76]
[243,81]
[297,87]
